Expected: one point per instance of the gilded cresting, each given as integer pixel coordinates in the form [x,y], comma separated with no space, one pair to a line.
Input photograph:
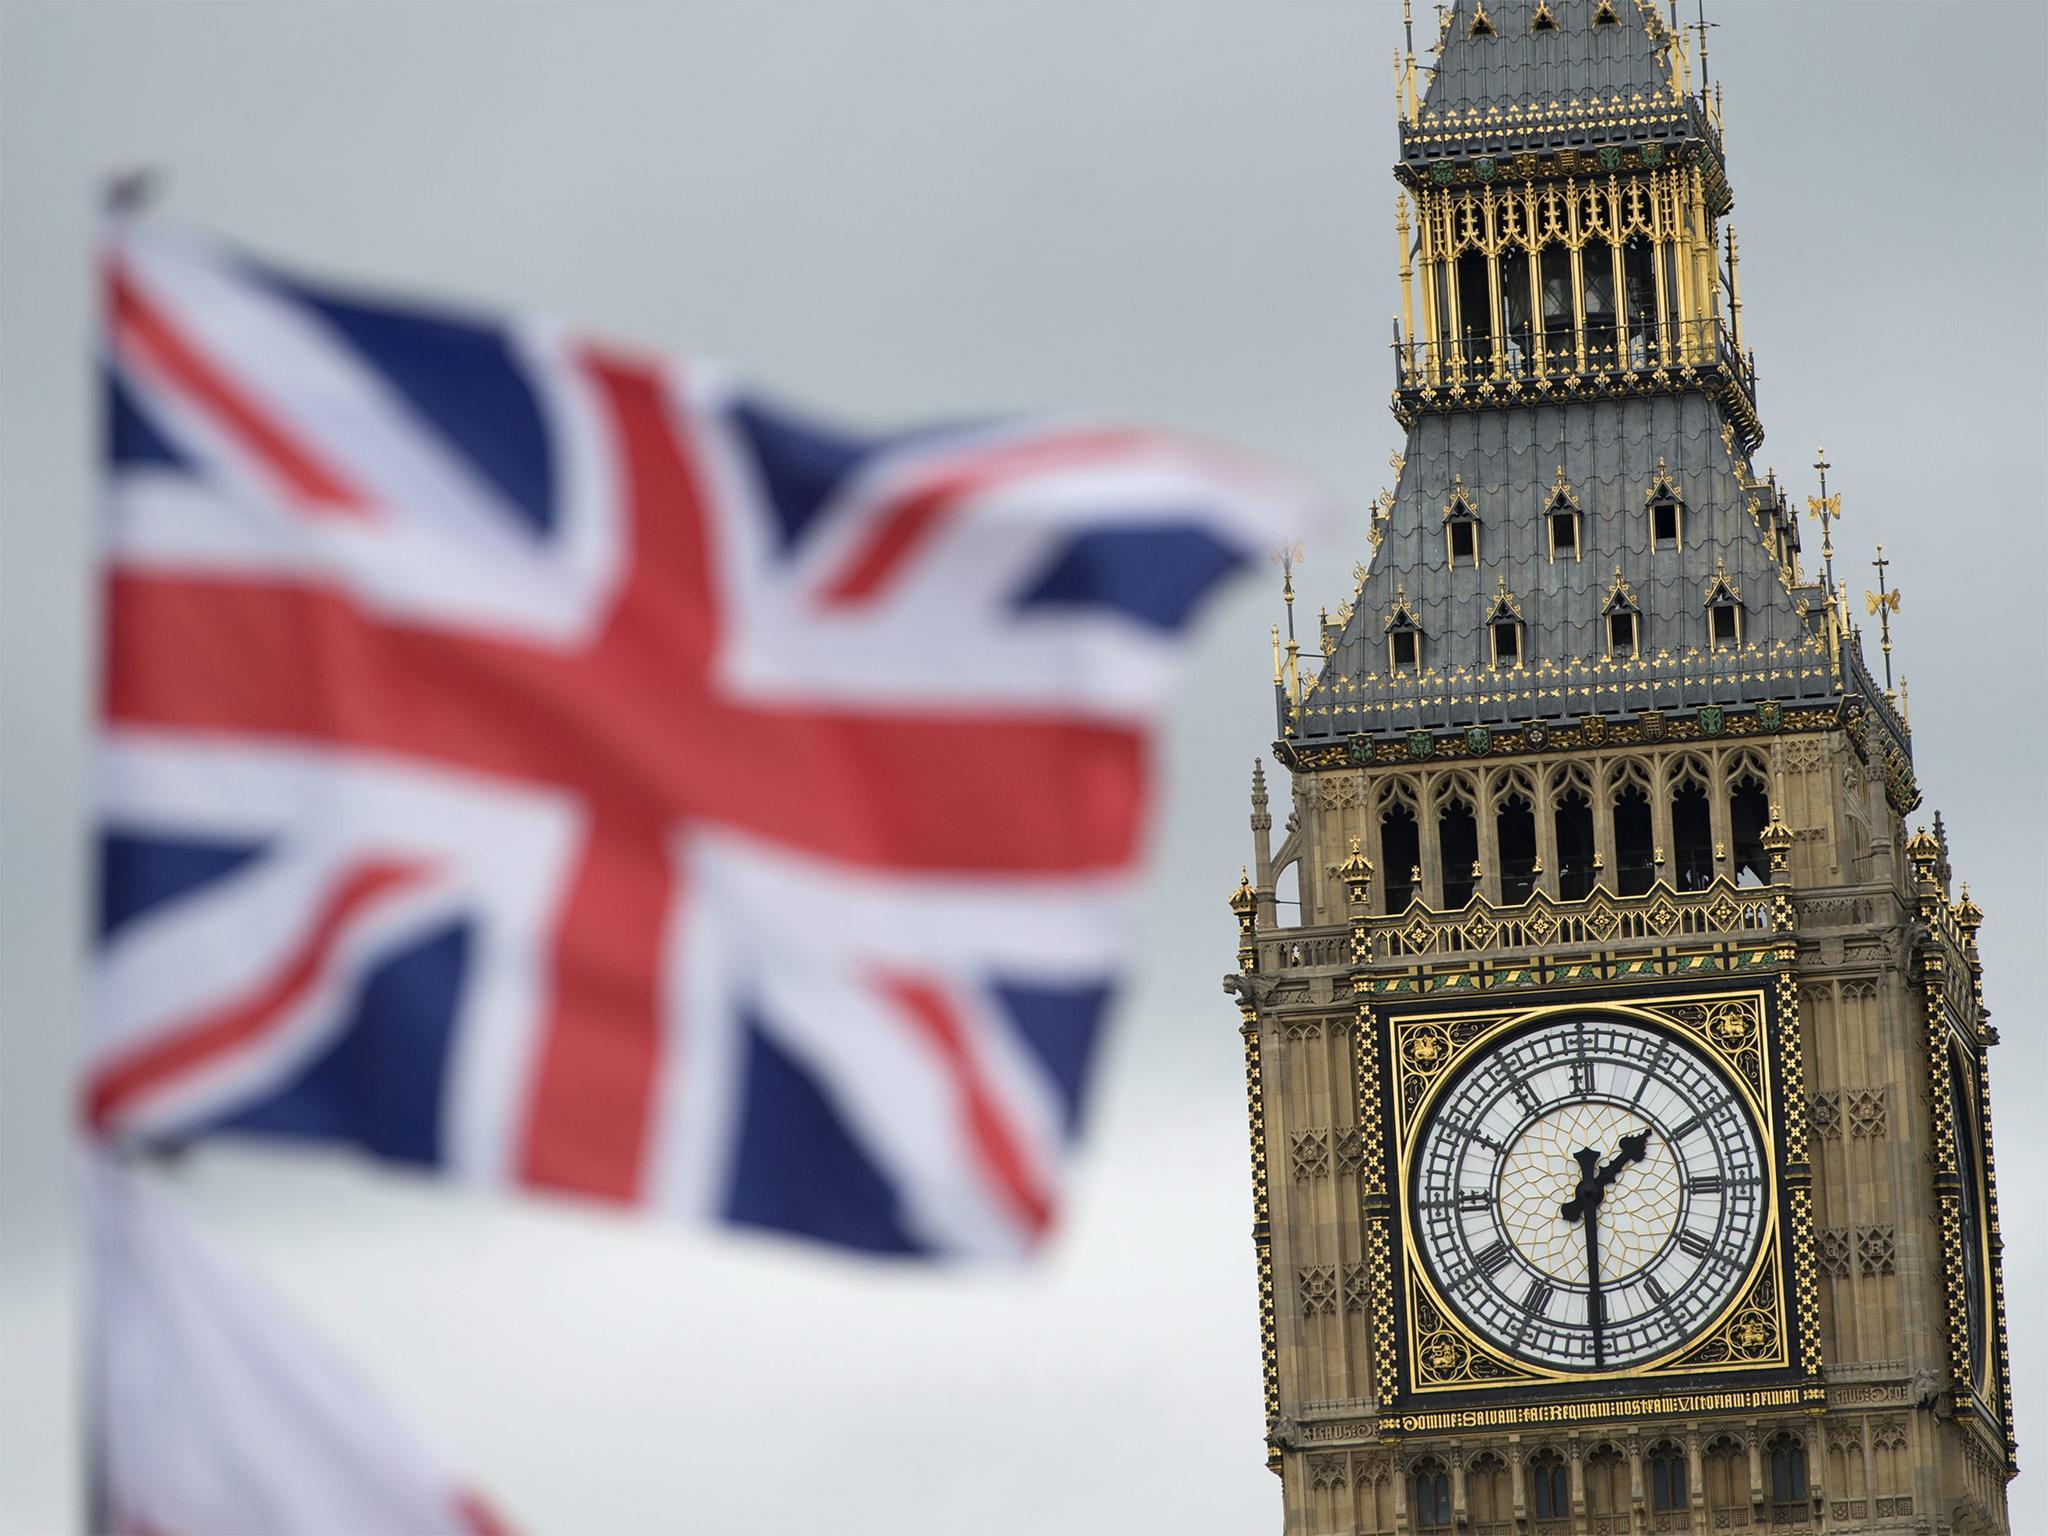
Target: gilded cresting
[1586,745]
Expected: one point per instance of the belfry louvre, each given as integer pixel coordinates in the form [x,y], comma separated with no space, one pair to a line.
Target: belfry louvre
[1618,1089]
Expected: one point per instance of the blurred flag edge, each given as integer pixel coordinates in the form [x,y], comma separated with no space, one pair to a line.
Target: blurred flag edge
[214,1411]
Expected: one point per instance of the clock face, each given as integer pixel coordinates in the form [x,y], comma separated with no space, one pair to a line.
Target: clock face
[1585,1142]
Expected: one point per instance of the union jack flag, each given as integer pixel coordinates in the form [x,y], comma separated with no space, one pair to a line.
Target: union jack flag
[566,769]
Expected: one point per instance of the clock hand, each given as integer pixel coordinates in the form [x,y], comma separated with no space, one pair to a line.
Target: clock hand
[1591,1185]
[1584,1205]
[1595,1310]
[1632,1148]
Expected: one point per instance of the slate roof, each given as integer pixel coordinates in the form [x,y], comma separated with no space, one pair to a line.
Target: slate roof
[1513,87]
[1609,451]
[1516,64]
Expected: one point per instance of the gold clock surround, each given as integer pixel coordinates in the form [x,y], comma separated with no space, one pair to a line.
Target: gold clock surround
[1753,1339]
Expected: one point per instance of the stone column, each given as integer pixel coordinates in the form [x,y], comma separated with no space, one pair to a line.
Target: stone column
[1546,832]
[1717,815]
[1660,819]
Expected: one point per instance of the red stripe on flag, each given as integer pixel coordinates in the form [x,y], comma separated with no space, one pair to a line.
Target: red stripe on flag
[1002,1161]
[593,1088]
[473,1512]
[139,324]
[903,527]
[930,791]
[112,1088]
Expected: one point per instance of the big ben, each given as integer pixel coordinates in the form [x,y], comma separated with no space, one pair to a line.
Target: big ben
[1614,1036]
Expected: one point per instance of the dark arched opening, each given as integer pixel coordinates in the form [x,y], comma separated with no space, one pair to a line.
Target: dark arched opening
[1639,275]
[1574,820]
[1457,840]
[1400,857]
[1514,828]
[1692,836]
[1634,842]
[1475,313]
[1749,811]
[1515,309]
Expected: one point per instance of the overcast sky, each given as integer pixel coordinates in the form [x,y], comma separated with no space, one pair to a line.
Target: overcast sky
[1178,214]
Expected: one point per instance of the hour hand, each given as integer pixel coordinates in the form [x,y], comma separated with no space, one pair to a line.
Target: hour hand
[1587,1195]
[1632,1148]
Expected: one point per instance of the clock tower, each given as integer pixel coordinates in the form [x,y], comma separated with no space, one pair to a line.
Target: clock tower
[1614,1040]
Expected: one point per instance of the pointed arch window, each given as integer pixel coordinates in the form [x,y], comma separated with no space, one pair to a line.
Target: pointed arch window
[1482,24]
[1749,811]
[1404,636]
[1668,1481]
[1572,822]
[1787,1454]
[1667,512]
[1457,842]
[1487,1490]
[1607,1490]
[1692,826]
[1514,836]
[1724,611]
[1461,527]
[1543,21]
[1605,17]
[1400,855]
[1635,850]
[1504,628]
[1550,1495]
[1624,619]
[1562,520]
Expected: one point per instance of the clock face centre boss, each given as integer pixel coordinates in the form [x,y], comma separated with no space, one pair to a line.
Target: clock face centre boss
[1588,1193]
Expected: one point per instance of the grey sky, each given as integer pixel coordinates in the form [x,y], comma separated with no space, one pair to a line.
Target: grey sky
[1171,213]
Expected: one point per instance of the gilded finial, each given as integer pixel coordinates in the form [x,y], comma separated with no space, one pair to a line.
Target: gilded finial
[1969,916]
[1356,873]
[1925,852]
[1829,510]
[1244,900]
[1884,604]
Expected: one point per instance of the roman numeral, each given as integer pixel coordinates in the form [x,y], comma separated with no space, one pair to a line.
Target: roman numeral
[1680,1132]
[1458,1128]
[1703,1248]
[1537,1301]
[1652,1072]
[1474,1200]
[1493,1260]
[1708,1184]
[1657,1293]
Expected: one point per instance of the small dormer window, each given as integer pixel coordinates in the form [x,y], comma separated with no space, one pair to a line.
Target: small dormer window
[1461,528]
[1482,24]
[1724,611]
[1727,624]
[1667,511]
[1464,536]
[1561,519]
[1543,21]
[1624,620]
[1605,17]
[1564,535]
[1404,635]
[1504,628]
